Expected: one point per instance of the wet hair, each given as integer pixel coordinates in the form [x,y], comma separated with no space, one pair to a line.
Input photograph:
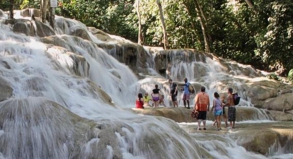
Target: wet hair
[216,95]
[230,90]
[202,89]
[139,95]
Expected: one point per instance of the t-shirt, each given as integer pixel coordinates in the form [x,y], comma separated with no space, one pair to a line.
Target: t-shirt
[146,99]
[218,104]
[156,91]
[186,88]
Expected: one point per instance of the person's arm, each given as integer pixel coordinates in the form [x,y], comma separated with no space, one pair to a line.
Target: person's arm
[208,103]
[214,105]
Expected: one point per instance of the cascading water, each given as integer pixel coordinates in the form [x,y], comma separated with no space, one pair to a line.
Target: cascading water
[67,98]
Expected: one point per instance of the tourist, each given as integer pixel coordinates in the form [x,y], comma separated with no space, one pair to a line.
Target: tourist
[146,99]
[201,104]
[156,96]
[224,111]
[186,93]
[231,108]
[218,110]
[173,92]
[139,101]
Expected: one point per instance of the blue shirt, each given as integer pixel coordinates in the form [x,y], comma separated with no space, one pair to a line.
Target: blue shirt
[186,88]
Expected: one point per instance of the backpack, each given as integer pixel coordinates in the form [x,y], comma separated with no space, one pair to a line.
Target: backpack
[236,98]
[190,88]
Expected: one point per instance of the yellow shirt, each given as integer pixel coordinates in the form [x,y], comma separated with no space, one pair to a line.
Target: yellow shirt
[146,99]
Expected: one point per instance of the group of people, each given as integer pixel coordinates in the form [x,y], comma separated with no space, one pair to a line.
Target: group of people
[201,105]
[158,98]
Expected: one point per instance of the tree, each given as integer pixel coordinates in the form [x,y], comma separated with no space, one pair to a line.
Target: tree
[11,15]
[140,39]
[163,25]
[202,20]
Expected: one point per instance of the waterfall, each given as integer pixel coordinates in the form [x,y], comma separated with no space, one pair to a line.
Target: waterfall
[70,96]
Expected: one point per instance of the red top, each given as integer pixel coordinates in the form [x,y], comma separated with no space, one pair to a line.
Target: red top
[139,104]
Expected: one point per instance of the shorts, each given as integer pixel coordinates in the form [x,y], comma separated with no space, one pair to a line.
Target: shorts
[231,113]
[202,115]
[174,98]
[156,99]
[186,96]
[218,112]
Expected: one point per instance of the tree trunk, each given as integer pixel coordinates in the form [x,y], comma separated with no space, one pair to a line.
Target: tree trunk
[139,40]
[249,3]
[44,8]
[11,16]
[163,25]
[203,25]
[52,17]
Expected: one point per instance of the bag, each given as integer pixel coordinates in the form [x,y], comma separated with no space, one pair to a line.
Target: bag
[236,98]
[194,114]
[191,89]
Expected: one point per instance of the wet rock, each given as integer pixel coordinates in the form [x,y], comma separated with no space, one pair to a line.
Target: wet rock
[282,103]
[43,29]
[100,34]
[29,12]
[80,32]
[6,89]
[182,114]
[265,138]
[2,15]
[24,26]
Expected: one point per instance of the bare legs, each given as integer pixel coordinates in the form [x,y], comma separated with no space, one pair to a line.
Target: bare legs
[186,101]
[199,122]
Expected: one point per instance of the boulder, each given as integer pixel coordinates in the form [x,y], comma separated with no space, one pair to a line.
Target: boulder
[283,102]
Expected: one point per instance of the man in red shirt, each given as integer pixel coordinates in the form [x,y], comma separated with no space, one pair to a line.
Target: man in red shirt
[201,104]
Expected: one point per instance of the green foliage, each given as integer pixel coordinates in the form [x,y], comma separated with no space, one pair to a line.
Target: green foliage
[290,75]
[276,46]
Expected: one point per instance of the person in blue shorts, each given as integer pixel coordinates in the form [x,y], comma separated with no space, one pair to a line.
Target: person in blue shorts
[218,109]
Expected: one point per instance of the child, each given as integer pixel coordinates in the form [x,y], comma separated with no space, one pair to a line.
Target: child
[139,101]
[146,99]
